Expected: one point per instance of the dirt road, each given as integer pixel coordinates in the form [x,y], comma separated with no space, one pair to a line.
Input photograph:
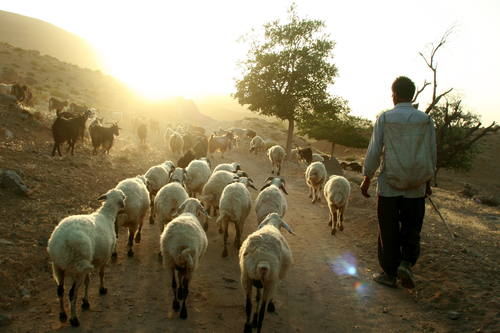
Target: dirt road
[328,289]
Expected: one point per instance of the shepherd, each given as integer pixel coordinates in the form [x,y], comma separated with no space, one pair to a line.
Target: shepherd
[403,144]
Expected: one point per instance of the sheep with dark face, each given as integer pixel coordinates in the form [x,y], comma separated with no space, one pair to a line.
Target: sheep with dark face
[68,130]
[103,136]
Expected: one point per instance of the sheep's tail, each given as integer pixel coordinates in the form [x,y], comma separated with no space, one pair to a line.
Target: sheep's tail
[186,258]
[338,198]
[263,270]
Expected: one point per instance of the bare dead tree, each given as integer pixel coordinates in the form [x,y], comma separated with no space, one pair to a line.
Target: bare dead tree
[457,130]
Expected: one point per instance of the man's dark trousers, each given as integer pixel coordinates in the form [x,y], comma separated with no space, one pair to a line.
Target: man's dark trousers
[400,222]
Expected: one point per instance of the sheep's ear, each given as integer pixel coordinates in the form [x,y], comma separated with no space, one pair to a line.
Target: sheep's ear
[266,184]
[282,186]
[287,228]
[251,186]
[102,197]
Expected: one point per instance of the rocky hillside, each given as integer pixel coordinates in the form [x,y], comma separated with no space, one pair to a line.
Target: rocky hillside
[33,34]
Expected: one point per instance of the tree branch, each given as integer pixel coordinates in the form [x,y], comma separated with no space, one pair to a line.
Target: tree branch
[435,100]
[420,90]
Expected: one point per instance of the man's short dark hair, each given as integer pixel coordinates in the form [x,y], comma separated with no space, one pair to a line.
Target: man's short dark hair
[404,88]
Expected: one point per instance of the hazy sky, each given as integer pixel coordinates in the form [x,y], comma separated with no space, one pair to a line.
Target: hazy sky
[190,48]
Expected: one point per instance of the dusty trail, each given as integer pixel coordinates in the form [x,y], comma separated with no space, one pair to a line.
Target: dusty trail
[317,296]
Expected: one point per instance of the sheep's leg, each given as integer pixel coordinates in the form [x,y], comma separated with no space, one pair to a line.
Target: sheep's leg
[279,168]
[102,290]
[185,288]
[175,304]
[130,243]
[137,236]
[257,307]
[59,276]
[225,224]
[85,300]
[270,306]
[114,254]
[73,292]
[54,148]
[247,284]
[262,310]
[341,219]
[151,210]
[237,237]
[330,214]
[334,224]
[318,193]
[310,190]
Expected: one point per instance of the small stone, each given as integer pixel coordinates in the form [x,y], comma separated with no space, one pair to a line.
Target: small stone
[385,309]
[25,292]
[453,315]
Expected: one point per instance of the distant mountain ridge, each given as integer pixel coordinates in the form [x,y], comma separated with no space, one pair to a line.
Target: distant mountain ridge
[34,34]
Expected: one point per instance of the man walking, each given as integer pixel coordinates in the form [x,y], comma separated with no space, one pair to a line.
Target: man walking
[403,144]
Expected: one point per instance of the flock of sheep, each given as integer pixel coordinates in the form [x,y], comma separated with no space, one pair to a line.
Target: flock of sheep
[182,200]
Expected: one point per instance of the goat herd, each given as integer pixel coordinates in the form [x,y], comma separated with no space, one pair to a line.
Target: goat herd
[181,198]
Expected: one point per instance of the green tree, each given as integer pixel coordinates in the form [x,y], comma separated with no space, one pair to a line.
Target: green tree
[290,65]
[458,132]
[334,123]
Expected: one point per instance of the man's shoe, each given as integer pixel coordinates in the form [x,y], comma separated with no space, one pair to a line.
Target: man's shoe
[385,279]
[405,275]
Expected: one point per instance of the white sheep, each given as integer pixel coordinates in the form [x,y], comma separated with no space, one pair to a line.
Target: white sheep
[276,155]
[80,243]
[234,206]
[178,175]
[167,135]
[156,177]
[257,144]
[231,167]
[167,201]
[197,174]
[183,243]
[316,176]
[271,199]
[317,158]
[337,191]
[138,202]
[212,190]
[176,143]
[265,258]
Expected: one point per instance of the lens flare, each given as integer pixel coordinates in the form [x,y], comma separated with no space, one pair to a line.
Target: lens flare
[345,264]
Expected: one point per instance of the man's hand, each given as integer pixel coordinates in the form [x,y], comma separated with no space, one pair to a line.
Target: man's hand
[365,185]
[428,189]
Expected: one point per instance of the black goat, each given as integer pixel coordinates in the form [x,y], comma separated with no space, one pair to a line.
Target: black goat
[185,159]
[103,136]
[68,130]
[305,154]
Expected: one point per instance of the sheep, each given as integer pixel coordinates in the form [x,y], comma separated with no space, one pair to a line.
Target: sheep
[337,191]
[136,208]
[167,201]
[178,175]
[103,136]
[168,134]
[270,199]
[231,167]
[317,158]
[188,142]
[176,143]
[234,206]
[185,159]
[316,176]
[220,143]
[265,258]
[197,174]
[142,133]
[212,190]
[80,243]
[256,144]
[183,243]
[156,177]
[305,154]
[200,148]
[68,130]
[276,155]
